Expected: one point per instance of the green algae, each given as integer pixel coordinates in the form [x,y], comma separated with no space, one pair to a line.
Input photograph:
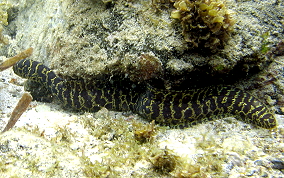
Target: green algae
[265,44]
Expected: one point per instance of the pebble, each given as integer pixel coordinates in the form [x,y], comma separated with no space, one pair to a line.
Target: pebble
[277,164]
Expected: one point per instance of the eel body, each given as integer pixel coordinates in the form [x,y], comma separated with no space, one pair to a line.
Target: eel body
[174,108]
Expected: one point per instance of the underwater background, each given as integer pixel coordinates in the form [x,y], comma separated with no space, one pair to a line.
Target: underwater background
[168,44]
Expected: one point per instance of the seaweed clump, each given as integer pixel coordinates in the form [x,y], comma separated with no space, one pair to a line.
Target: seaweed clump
[165,162]
[206,23]
[144,132]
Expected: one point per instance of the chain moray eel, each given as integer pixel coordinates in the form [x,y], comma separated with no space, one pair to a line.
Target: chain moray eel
[174,108]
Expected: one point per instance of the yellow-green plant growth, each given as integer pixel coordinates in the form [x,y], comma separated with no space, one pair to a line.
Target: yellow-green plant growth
[265,44]
[205,23]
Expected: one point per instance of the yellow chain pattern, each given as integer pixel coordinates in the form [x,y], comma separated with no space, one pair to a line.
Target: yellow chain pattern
[175,108]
